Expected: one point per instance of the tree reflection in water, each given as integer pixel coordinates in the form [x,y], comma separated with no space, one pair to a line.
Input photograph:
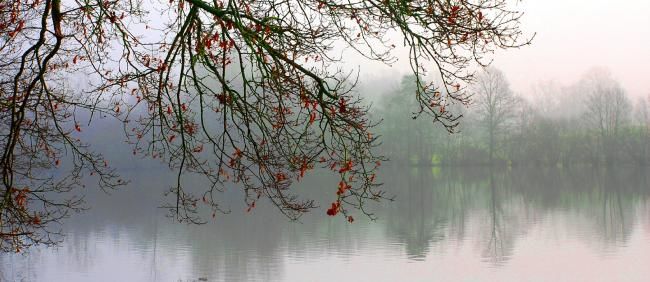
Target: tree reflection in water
[477,214]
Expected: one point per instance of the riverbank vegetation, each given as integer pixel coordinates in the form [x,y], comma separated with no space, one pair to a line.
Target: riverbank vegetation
[593,121]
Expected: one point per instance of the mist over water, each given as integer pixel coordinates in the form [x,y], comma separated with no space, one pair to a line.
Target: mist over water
[549,189]
[545,177]
[446,224]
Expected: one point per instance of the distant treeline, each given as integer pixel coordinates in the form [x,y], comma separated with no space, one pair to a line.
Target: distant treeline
[592,122]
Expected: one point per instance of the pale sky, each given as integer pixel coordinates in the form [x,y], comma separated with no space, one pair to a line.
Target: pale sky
[575,35]
[572,36]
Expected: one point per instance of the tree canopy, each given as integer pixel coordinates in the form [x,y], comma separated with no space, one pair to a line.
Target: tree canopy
[591,122]
[244,91]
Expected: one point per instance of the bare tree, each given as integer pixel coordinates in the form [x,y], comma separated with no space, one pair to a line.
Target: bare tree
[607,109]
[236,91]
[546,98]
[494,103]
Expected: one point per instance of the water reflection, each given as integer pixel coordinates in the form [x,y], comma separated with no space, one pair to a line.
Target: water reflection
[469,224]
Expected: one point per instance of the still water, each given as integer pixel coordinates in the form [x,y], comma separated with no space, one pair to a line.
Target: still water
[578,224]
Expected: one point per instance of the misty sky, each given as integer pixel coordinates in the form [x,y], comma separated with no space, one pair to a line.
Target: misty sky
[575,35]
[572,36]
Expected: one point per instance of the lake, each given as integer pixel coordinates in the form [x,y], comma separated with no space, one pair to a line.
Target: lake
[446,224]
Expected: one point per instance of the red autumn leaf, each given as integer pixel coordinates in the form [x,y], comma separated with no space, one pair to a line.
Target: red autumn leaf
[77,127]
[280,177]
[346,167]
[342,187]
[222,98]
[334,209]
[36,220]
[312,117]
[303,168]
[342,106]
[238,153]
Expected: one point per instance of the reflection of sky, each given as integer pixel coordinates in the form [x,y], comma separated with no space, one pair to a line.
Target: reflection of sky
[439,228]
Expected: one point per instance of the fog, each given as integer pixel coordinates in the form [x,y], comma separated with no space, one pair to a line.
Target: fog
[570,38]
[573,36]
[545,177]
[495,224]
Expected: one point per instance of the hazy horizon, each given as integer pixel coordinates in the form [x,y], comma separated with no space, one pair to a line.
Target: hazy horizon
[571,37]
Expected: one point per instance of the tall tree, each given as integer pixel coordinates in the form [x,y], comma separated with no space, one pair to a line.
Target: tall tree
[494,102]
[236,90]
[403,135]
[607,109]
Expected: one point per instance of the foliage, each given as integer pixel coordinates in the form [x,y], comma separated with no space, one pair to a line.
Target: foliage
[589,123]
[238,91]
